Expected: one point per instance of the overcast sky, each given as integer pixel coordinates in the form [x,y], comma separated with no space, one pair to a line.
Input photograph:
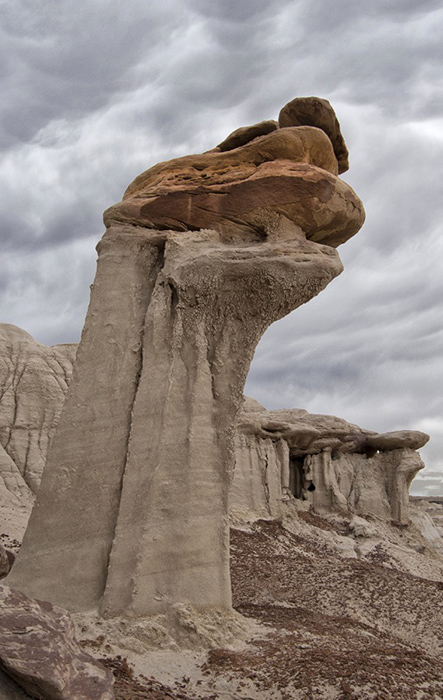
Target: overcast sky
[94,92]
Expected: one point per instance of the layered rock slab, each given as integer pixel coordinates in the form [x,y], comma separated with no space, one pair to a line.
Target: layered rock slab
[132,512]
[332,464]
[39,650]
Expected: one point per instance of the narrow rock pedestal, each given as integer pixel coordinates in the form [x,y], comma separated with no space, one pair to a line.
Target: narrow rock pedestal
[133,503]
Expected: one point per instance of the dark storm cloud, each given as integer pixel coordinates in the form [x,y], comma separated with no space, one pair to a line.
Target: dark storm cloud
[66,61]
[94,93]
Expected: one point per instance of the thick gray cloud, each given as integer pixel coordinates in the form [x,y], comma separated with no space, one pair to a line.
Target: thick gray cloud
[94,93]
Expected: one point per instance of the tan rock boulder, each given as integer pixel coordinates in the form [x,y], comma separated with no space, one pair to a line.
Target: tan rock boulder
[38,649]
[244,134]
[275,200]
[315,111]
[262,182]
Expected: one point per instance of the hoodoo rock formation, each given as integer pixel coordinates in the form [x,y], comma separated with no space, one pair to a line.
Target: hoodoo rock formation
[200,257]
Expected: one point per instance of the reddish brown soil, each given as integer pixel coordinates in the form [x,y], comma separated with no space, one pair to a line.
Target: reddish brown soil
[339,628]
[314,602]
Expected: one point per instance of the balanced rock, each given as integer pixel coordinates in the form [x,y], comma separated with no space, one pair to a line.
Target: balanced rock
[276,186]
[38,649]
[200,257]
[317,112]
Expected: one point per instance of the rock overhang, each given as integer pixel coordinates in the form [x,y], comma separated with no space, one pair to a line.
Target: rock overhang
[307,433]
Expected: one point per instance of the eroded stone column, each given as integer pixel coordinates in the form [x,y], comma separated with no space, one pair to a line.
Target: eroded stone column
[210,306]
[199,258]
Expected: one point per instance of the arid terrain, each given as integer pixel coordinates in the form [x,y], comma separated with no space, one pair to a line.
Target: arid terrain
[161,493]
[331,608]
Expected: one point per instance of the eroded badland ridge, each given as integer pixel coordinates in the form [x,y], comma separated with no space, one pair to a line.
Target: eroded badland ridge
[206,547]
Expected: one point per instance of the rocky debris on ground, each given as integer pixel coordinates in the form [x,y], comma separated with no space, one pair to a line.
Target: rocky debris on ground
[346,610]
[130,686]
[339,628]
[339,608]
[39,651]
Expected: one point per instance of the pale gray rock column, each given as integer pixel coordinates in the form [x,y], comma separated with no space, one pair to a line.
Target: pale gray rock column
[132,513]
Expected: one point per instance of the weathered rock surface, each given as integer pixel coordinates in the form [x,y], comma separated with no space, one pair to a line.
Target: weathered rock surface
[267,443]
[244,134]
[4,562]
[398,439]
[132,511]
[277,185]
[262,182]
[33,382]
[317,112]
[334,465]
[271,201]
[38,649]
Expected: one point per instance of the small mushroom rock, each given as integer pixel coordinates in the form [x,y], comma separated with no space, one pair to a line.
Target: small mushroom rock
[413,439]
